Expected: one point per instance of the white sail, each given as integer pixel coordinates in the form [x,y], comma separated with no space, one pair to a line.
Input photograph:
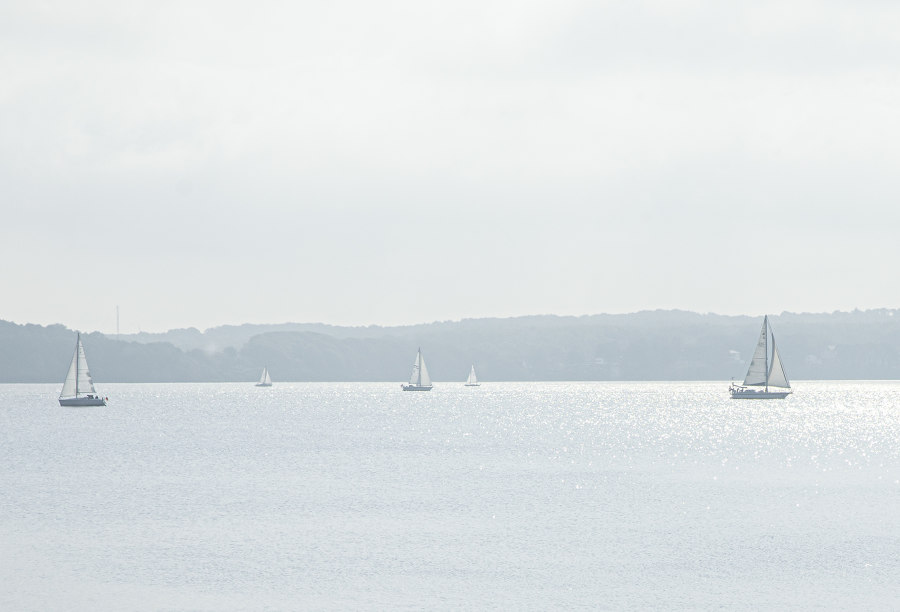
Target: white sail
[756,373]
[765,370]
[424,379]
[777,377]
[85,383]
[264,379]
[70,386]
[78,379]
[419,379]
[472,378]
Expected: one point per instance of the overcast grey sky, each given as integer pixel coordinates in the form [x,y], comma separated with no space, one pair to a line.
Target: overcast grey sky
[204,163]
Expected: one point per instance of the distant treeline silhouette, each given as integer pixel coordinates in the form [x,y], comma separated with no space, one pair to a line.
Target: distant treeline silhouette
[650,345]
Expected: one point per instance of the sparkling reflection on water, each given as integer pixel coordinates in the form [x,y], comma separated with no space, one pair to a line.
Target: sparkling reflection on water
[509,495]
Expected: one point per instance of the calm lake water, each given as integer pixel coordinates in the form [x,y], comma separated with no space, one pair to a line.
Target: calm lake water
[507,496]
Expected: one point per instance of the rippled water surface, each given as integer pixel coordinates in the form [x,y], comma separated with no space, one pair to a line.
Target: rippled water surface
[509,495]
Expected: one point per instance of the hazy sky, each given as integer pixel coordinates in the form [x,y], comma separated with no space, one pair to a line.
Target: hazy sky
[203,163]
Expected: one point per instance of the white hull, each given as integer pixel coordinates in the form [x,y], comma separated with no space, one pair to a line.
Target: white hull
[263,384]
[761,394]
[82,401]
[416,387]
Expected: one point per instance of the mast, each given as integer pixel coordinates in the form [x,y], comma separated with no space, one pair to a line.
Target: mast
[77,344]
[419,368]
[766,327]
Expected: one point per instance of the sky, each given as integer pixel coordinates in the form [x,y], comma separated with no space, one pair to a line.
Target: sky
[196,164]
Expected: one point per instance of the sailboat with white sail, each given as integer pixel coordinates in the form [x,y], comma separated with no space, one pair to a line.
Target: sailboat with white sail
[78,389]
[419,381]
[472,380]
[765,371]
[265,380]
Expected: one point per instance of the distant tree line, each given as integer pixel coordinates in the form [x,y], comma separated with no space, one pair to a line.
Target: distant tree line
[652,345]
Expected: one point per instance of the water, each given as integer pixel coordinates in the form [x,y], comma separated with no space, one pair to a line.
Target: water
[510,495]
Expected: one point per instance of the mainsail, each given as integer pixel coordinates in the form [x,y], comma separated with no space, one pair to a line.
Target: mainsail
[757,373]
[472,380]
[264,379]
[78,378]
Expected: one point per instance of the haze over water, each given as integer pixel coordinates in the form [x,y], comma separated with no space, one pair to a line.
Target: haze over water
[511,495]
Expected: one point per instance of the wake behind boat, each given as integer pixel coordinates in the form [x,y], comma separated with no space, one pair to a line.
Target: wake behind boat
[419,381]
[764,371]
[78,389]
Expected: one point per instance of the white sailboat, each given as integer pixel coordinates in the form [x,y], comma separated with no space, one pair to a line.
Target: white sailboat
[419,381]
[264,380]
[78,389]
[472,380]
[764,371]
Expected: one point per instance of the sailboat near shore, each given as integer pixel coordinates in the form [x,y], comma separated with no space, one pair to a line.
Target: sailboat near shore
[264,380]
[419,381]
[472,380]
[764,371]
[78,389]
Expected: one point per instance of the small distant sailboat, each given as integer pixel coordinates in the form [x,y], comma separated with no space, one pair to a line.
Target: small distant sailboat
[78,389]
[472,380]
[764,371]
[264,380]
[419,381]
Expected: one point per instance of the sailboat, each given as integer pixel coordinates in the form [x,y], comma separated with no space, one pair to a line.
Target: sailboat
[472,380]
[764,371]
[78,390]
[419,381]
[264,380]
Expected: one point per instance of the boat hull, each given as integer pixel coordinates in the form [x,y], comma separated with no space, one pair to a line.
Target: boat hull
[263,384]
[416,387]
[473,384]
[82,401]
[751,394]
